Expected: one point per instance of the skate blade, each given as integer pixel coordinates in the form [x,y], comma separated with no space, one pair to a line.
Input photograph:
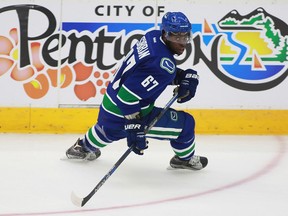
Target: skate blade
[74,160]
[182,169]
[171,168]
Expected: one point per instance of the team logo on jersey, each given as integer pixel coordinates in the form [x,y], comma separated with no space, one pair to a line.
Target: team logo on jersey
[174,115]
[167,65]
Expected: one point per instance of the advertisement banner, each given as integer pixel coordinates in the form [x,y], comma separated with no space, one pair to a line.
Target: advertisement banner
[64,53]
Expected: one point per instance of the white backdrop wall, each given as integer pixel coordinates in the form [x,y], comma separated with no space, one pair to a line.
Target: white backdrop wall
[63,53]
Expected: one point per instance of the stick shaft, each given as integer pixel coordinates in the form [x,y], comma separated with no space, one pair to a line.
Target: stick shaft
[82,202]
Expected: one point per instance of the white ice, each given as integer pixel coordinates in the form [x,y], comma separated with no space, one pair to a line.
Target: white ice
[246,176]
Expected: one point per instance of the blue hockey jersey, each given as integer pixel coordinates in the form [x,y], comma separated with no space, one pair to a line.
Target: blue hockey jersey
[144,74]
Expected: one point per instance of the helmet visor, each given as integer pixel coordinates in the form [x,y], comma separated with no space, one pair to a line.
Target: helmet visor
[179,37]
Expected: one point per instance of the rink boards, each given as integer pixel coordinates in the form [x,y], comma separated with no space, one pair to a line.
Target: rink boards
[78,120]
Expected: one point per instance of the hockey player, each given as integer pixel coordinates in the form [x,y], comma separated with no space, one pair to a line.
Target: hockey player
[128,105]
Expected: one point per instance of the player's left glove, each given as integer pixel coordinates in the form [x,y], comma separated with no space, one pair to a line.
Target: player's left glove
[188,81]
[135,135]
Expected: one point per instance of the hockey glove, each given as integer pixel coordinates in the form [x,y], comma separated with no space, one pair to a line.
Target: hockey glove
[135,135]
[188,82]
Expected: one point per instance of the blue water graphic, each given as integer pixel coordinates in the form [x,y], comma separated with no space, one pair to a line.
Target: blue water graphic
[246,72]
[112,27]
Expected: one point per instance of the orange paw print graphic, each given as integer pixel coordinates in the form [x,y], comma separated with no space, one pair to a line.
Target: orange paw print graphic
[38,77]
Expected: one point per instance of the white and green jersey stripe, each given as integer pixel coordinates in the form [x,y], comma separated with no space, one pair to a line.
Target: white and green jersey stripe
[111,107]
[128,97]
[164,133]
[184,153]
[94,139]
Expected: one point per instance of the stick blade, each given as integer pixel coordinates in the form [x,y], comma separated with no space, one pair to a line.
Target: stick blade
[76,200]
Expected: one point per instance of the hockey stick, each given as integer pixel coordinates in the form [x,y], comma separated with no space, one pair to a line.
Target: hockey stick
[82,201]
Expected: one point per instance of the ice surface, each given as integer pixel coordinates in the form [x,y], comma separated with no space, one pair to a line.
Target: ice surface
[246,175]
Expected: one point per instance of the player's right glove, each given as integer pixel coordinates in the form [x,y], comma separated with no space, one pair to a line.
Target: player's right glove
[188,81]
[135,135]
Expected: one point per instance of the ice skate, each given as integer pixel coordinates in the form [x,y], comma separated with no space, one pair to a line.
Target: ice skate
[195,163]
[77,151]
